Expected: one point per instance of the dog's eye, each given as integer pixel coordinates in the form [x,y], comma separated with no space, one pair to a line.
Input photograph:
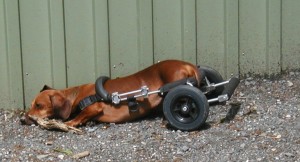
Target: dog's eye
[37,105]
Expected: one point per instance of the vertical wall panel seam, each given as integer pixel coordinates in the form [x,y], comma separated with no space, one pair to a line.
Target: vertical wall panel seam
[138,23]
[153,30]
[109,42]
[267,37]
[108,39]
[21,55]
[65,42]
[182,28]
[6,47]
[196,33]
[50,42]
[281,57]
[225,16]
[94,39]
[239,44]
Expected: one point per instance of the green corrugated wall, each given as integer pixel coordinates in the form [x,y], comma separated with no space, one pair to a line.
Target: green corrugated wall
[64,43]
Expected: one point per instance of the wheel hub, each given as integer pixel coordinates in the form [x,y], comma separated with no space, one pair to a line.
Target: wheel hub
[185,109]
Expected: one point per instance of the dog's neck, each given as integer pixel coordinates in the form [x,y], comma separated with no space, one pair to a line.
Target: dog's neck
[78,93]
[71,94]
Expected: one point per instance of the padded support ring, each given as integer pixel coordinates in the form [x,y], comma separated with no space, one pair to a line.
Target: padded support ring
[100,89]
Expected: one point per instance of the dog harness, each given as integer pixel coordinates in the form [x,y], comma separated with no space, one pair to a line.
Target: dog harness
[87,101]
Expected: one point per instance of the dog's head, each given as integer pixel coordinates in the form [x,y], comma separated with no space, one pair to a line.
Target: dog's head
[49,103]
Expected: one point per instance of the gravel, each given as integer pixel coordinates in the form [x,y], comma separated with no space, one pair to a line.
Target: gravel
[260,123]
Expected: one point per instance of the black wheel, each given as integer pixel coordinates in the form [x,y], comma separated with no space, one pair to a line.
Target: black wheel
[213,76]
[185,107]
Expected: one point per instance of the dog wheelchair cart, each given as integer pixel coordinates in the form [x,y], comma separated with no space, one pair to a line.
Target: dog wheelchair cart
[185,105]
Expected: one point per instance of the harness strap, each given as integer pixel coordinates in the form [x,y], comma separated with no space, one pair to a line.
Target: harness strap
[88,101]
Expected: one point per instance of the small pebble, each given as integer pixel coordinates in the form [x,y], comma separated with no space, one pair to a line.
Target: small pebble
[185,148]
[61,156]
[289,154]
[243,145]
[290,84]
[40,157]
[49,142]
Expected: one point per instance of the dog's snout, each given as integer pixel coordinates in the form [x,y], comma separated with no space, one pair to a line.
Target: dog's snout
[23,120]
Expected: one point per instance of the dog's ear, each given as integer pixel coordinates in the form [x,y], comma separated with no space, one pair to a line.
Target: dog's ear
[61,106]
[46,87]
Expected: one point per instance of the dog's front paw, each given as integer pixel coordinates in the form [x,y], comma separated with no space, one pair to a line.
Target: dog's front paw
[71,123]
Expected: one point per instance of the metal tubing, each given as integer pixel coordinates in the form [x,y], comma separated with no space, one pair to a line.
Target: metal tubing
[137,96]
[131,92]
[220,98]
[154,92]
[222,83]
[212,100]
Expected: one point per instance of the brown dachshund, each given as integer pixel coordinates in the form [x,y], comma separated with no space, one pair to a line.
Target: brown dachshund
[62,104]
